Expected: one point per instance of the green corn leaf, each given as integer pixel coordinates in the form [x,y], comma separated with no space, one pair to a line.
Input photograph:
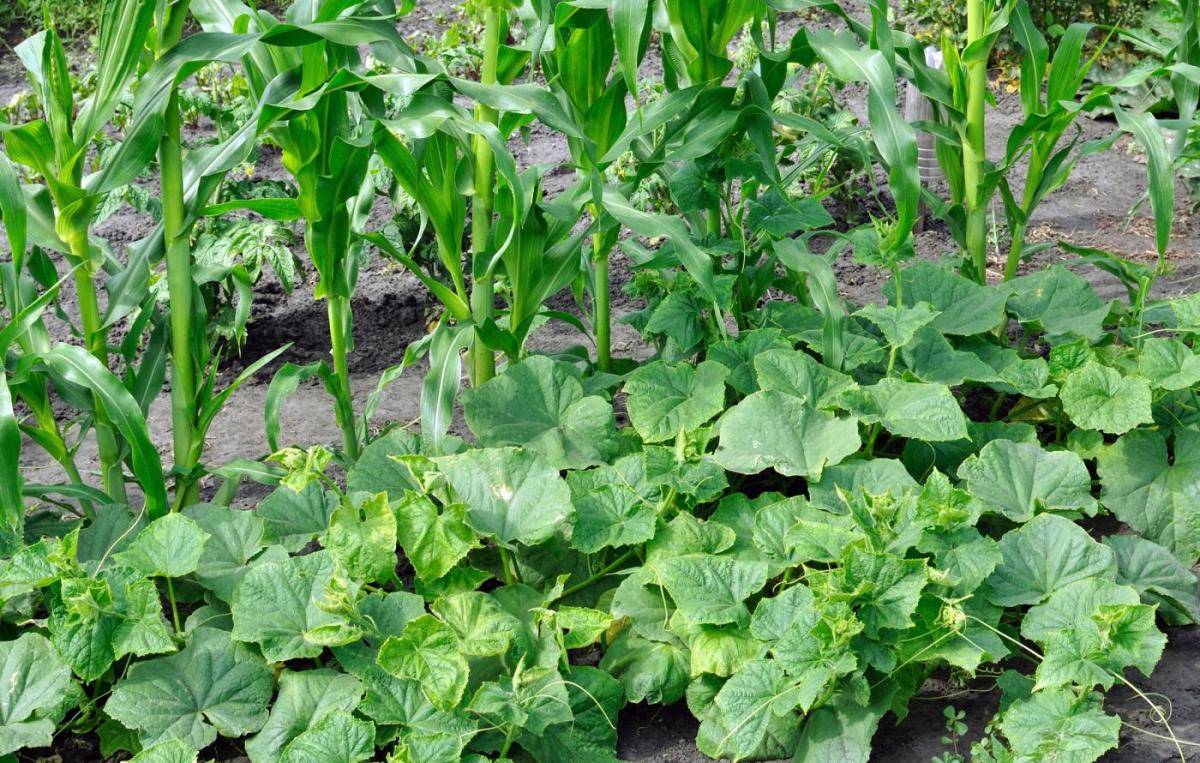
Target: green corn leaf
[457,306]
[211,407]
[284,210]
[75,365]
[283,384]
[12,501]
[699,264]
[822,288]
[13,213]
[895,138]
[1066,72]
[146,128]
[651,118]
[1035,58]
[631,29]
[442,383]
[1147,132]
[124,28]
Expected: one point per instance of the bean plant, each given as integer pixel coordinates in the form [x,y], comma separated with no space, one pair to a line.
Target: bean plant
[787,514]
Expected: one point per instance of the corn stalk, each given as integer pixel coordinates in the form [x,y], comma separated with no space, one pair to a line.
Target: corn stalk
[975,142]
[483,291]
[177,245]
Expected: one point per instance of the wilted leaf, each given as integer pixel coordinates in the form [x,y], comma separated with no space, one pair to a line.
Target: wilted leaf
[428,652]
[277,606]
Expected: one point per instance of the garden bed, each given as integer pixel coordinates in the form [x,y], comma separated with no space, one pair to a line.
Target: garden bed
[393,309]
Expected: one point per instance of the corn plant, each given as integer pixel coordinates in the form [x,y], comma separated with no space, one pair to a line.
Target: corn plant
[55,147]
[578,68]
[535,252]
[308,86]
[1052,99]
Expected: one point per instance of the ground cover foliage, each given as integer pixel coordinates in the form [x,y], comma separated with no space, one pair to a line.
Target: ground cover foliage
[789,517]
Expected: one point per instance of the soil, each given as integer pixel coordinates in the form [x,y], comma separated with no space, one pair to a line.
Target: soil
[392,309]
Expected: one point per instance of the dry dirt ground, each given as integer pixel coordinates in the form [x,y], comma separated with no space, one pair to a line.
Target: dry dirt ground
[391,309]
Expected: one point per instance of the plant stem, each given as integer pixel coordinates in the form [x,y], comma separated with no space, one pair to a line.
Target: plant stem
[93,337]
[339,340]
[509,735]
[507,566]
[608,570]
[1015,250]
[483,293]
[179,287]
[975,148]
[174,608]
[714,220]
[602,318]
[225,494]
